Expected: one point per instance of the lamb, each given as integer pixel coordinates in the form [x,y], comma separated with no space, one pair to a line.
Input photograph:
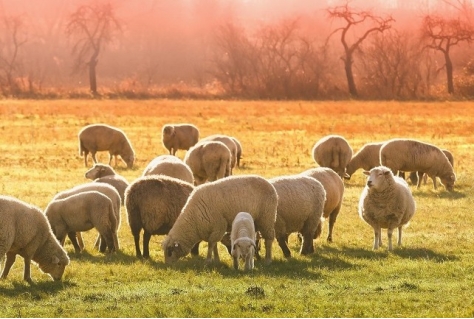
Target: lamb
[386,202]
[102,173]
[101,137]
[82,212]
[239,150]
[333,151]
[179,137]
[25,231]
[334,188]
[300,207]
[243,240]
[366,158]
[208,161]
[416,177]
[153,203]
[211,208]
[411,155]
[103,188]
[169,165]
[229,142]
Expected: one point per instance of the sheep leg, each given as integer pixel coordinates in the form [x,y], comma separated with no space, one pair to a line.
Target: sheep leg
[216,253]
[283,243]
[236,262]
[136,239]
[103,244]
[268,250]
[434,182]
[8,264]
[332,221]
[80,242]
[307,247]
[93,157]
[146,244]
[389,235]
[195,250]
[86,153]
[27,271]
[72,237]
[210,248]
[400,235]
[377,240]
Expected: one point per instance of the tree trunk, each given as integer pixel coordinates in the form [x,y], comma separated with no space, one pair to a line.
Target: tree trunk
[92,76]
[350,76]
[449,72]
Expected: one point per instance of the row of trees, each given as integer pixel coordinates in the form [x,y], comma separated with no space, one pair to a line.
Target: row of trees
[361,55]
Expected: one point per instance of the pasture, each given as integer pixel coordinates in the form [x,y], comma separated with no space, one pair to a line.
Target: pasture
[431,275]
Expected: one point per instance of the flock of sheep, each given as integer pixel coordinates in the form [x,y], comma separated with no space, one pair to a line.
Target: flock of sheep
[199,199]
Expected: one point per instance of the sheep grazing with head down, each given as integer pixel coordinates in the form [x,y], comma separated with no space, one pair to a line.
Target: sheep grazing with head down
[410,155]
[211,209]
[179,137]
[334,188]
[169,165]
[25,231]
[101,137]
[229,142]
[209,161]
[153,203]
[300,207]
[416,177]
[242,238]
[333,151]
[386,202]
[366,158]
[102,173]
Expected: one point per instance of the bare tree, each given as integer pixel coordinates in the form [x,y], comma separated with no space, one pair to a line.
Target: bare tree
[354,19]
[442,34]
[93,26]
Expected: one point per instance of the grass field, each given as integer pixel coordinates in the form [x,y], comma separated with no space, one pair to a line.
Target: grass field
[432,275]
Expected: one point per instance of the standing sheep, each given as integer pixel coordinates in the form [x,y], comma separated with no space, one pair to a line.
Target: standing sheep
[82,212]
[102,173]
[208,161]
[300,207]
[334,152]
[334,188]
[415,177]
[25,231]
[211,209]
[386,202]
[101,137]
[366,158]
[169,165]
[179,137]
[242,238]
[229,142]
[153,203]
[409,155]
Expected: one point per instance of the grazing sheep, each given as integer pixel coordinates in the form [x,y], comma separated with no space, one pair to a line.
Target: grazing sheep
[169,165]
[300,207]
[243,240]
[179,137]
[208,161]
[415,177]
[366,158]
[153,203]
[386,202]
[101,137]
[334,152]
[211,209]
[334,188]
[239,150]
[411,155]
[25,231]
[102,173]
[82,212]
[229,142]
[103,188]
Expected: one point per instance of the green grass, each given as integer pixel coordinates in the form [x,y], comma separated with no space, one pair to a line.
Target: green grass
[431,275]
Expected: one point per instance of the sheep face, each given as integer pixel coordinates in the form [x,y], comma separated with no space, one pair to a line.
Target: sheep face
[129,159]
[55,267]
[173,251]
[168,132]
[378,177]
[243,248]
[448,181]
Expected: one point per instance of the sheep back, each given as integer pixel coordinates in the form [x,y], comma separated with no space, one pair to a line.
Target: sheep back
[173,167]
[25,231]
[333,151]
[116,181]
[179,137]
[208,161]
[366,158]
[99,170]
[409,155]
[229,142]
[153,203]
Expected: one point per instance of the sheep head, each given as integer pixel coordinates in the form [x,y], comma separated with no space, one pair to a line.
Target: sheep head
[378,177]
[448,181]
[173,251]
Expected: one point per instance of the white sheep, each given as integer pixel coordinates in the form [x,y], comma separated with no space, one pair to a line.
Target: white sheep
[229,142]
[169,165]
[105,189]
[386,202]
[211,209]
[410,155]
[153,203]
[209,161]
[101,137]
[300,207]
[103,173]
[25,231]
[242,238]
[333,151]
[334,188]
[82,212]
[366,158]
[179,137]
[416,177]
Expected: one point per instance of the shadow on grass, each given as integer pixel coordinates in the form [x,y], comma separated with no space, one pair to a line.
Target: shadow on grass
[456,194]
[36,291]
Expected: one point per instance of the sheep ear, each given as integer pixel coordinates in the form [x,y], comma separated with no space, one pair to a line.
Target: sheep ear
[366,173]
[55,260]
[386,173]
